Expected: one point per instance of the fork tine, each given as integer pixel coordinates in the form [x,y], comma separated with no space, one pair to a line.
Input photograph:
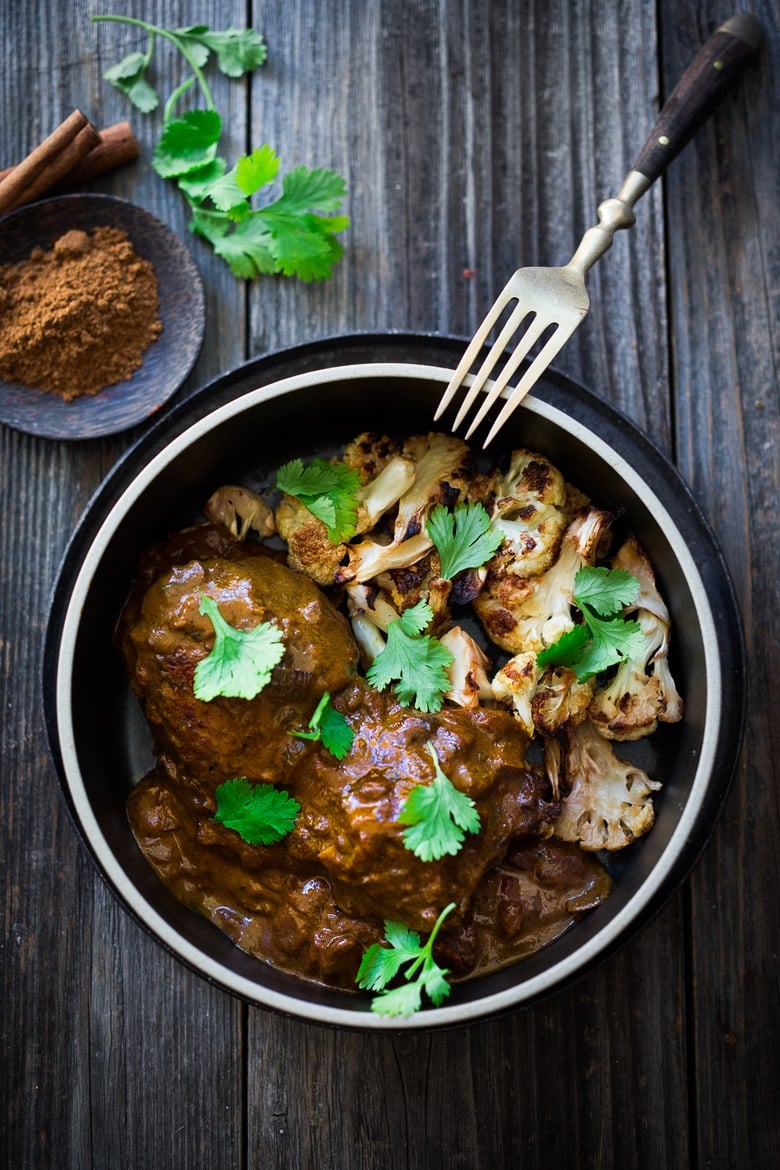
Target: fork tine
[552,346]
[531,335]
[474,346]
[518,314]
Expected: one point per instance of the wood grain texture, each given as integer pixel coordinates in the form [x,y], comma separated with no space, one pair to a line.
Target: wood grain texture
[475,137]
[724,371]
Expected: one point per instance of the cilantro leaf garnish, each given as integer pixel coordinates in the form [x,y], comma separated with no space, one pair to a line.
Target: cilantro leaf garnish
[294,234]
[259,813]
[245,246]
[417,663]
[438,816]
[330,727]
[129,77]
[568,650]
[187,143]
[328,490]
[284,236]
[240,663]
[606,591]
[464,538]
[381,964]
[603,639]
[238,51]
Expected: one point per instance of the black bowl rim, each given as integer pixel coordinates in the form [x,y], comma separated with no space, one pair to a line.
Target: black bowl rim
[336,351]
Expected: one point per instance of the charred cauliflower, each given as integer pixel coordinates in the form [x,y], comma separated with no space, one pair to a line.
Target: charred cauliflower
[642,691]
[529,512]
[468,672]
[385,476]
[444,473]
[607,803]
[523,614]
[240,510]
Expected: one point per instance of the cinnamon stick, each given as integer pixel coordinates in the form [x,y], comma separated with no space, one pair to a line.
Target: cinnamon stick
[56,155]
[117,147]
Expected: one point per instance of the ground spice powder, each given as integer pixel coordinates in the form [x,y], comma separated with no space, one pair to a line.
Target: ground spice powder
[79,317]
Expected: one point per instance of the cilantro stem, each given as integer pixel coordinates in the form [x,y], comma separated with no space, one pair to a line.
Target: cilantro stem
[168,35]
[314,731]
[173,99]
[150,50]
[427,950]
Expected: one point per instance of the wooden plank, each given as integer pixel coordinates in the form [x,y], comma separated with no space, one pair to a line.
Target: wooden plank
[724,312]
[111,1050]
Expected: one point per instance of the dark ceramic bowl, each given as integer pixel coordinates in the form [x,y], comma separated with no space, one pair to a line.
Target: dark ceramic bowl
[311,400]
[166,363]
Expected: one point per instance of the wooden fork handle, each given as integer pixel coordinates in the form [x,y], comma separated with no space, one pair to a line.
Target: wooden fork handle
[714,68]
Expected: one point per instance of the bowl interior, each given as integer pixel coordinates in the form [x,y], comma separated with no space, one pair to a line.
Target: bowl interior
[102,745]
[166,363]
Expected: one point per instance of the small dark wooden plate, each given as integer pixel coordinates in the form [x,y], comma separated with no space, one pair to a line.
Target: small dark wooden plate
[168,360]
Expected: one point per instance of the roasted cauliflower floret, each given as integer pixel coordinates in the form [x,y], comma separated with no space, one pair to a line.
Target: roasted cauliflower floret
[561,699]
[240,509]
[529,511]
[420,582]
[532,476]
[444,474]
[543,701]
[382,493]
[514,685]
[371,557]
[310,550]
[469,681]
[370,613]
[642,691]
[607,802]
[369,453]
[524,614]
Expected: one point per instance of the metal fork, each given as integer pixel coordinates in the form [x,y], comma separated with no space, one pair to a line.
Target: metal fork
[555,300]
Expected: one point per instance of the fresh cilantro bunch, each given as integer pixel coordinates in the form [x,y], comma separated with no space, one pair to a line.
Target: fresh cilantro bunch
[381,964]
[259,813]
[464,538]
[416,662]
[295,233]
[328,490]
[603,638]
[240,662]
[438,816]
[330,727]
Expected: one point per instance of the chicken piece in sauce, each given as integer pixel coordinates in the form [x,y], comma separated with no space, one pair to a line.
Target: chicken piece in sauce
[349,820]
[164,636]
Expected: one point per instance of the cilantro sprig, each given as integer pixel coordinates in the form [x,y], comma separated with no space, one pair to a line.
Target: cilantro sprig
[603,638]
[438,816]
[416,662]
[328,490]
[240,662]
[295,233]
[330,727]
[381,964]
[260,813]
[464,538]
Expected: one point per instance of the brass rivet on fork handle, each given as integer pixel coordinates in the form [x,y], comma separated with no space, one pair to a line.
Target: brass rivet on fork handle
[556,298]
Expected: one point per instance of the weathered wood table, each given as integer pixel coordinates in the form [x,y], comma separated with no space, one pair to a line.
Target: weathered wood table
[473,137]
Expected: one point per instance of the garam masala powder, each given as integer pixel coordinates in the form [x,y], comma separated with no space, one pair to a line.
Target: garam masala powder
[79,317]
